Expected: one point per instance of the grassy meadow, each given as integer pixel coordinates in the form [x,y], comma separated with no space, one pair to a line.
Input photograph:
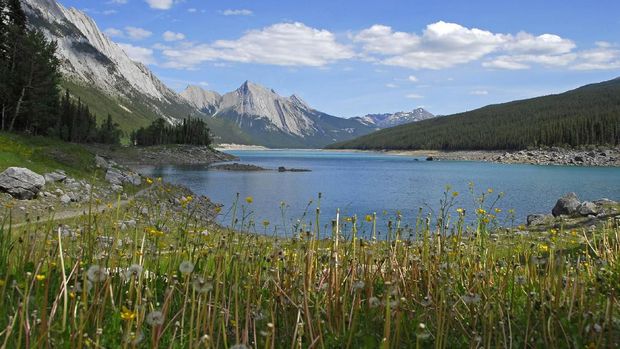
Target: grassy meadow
[141,276]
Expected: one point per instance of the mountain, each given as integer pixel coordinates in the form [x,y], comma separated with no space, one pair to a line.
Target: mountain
[589,115]
[98,70]
[273,120]
[399,118]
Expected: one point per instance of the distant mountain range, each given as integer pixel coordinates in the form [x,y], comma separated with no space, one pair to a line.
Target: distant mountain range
[589,115]
[395,119]
[98,71]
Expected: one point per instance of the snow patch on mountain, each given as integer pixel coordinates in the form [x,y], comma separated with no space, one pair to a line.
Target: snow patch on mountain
[395,119]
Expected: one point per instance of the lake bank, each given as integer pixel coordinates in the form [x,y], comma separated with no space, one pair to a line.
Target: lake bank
[599,157]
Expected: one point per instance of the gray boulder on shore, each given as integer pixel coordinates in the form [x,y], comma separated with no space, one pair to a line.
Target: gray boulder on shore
[566,205]
[21,183]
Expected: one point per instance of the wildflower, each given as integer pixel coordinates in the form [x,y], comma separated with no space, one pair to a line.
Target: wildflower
[133,270]
[186,267]
[249,199]
[374,302]
[133,338]
[460,211]
[159,179]
[40,277]
[88,286]
[481,211]
[127,314]
[96,273]
[155,318]
[490,190]
[543,248]
[358,285]
[471,298]
[201,285]
[149,181]
[368,218]
[455,194]
[266,223]
[218,209]
[520,280]
[422,332]
[426,301]
[498,210]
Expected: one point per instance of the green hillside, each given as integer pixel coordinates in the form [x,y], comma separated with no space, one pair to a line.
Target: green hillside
[584,116]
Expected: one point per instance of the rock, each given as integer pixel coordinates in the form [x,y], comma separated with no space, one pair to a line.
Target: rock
[579,158]
[56,176]
[605,201]
[101,162]
[587,208]
[430,158]
[537,219]
[21,183]
[117,188]
[566,205]
[65,199]
[117,177]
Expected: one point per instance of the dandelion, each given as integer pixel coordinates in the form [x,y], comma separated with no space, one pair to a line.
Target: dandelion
[149,181]
[133,338]
[249,199]
[427,301]
[498,210]
[455,194]
[96,273]
[490,190]
[155,318]
[358,285]
[471,298]
[481,211]
[374,302]
[40,277]
[87,286]
[134,270]
[266,223]
[218,209]
[368,218]
[186,267]
[460,211]
[422,332]
[127,314]
[201,285]
[543,248]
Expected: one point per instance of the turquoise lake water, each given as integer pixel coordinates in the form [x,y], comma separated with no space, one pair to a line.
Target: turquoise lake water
[363,183]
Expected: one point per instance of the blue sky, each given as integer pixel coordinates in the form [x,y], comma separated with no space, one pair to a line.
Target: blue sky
[350,58]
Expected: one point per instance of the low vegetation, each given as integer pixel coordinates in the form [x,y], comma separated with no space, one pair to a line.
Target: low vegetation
[142,276]
[589,115]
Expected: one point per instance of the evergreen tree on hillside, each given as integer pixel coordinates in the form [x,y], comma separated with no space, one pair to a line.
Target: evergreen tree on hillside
[191,131]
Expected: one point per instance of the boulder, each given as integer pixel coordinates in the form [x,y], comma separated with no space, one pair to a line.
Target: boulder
[430,158]
[21,183]
[56,176]
[566,205]
[65,199]
[537,219]
[587,208]
[101,162]
[117,177]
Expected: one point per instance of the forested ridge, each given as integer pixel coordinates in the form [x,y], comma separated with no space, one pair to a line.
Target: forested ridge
[589,115]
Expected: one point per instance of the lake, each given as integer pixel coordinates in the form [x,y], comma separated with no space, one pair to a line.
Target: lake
[363,182]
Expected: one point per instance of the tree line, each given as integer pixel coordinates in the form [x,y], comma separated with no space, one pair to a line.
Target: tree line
[589,115]
[192,131]
[30,96]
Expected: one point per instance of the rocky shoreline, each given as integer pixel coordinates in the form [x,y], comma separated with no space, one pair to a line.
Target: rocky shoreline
[603,157]
[161,155]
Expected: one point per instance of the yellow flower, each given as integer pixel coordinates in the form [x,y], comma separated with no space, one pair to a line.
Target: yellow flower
[218,209]
[40,277]
[460,210]
[149,181]
[455,193]
[490,190]
[368,218]
[127,314]
[159,179]
[249,199]
[485,220]
[265,222]
[498,210]
[543,248]
[481,211]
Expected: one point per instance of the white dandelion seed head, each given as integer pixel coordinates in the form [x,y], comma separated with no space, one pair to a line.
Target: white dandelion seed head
[186,267]
[96,273]
[155,318]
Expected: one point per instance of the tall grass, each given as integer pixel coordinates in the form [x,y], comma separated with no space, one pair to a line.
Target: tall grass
[170,281]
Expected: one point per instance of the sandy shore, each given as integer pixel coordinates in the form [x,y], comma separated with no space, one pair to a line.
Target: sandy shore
[232,146]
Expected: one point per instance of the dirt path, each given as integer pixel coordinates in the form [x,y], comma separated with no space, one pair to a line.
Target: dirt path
[76,212]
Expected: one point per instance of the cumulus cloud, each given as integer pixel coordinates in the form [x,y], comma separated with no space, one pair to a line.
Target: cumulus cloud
[139,54]
[160,4]
[136,33]
[414,96]
[479,92]
[240,12]
[172,36]
[285,44]
[412,78]
[113,32]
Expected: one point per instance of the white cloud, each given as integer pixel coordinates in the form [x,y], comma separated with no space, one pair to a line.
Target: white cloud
[414,96]
[160,4]
[285,44]
[136,33]
[479,92]
[122,2]
[192,10]
[412,78]
[139,54]
[391,85]
[172,36]
[113,32]
[240,12]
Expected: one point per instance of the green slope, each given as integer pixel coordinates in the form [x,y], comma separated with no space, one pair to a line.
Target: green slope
[587,115]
